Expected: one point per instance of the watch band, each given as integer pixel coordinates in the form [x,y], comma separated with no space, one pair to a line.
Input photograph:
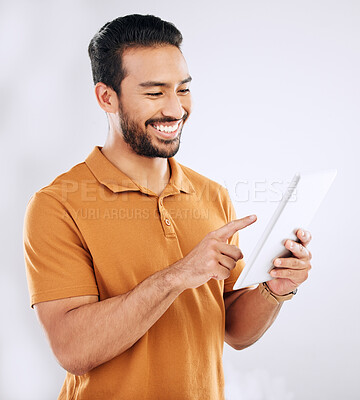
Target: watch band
[272,297]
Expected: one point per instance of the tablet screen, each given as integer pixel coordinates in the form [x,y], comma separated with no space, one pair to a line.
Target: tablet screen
[297,208]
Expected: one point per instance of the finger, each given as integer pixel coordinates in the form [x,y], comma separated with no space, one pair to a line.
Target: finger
[230,250]
[295,275]
[298,250]
[291,262]
[220,274]
[226,231]
[304,236]
[227,262]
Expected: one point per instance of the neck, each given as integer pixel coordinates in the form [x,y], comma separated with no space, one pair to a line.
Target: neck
[151,173]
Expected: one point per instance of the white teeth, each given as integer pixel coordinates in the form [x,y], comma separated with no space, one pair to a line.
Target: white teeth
[167,129]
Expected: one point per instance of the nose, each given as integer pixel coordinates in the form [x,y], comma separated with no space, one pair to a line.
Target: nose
[173,107]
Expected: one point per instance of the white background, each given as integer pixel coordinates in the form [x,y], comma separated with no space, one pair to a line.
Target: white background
[276,89]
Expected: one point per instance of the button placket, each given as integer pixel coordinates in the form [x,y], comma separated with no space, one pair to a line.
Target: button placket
[165,218]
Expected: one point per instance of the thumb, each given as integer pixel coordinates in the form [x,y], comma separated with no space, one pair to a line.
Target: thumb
[226,231]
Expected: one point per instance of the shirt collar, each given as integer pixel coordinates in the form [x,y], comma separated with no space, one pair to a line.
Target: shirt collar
[114,179]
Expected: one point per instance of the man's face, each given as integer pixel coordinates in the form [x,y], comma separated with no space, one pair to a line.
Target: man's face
[155,100]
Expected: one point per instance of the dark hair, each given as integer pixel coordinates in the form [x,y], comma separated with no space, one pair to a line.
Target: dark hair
[107,46]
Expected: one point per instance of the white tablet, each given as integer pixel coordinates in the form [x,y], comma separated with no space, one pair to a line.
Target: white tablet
[296,210]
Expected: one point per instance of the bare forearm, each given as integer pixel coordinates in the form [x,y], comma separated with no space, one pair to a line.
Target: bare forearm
[248,317]
[85,333]
[95,333]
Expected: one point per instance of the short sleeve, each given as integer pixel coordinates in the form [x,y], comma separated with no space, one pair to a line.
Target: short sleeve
[58,263]
[235,273]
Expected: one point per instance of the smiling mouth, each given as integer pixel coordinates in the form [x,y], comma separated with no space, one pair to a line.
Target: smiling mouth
[167,127]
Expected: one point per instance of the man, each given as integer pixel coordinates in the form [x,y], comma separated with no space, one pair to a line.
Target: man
[131,257]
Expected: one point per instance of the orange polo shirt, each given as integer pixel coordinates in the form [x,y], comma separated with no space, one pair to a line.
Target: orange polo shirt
[94,231]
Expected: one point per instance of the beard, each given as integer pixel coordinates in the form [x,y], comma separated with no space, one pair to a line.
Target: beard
[141,142]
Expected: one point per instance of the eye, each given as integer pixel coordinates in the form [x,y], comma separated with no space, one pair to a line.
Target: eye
[153,94]
[185,91]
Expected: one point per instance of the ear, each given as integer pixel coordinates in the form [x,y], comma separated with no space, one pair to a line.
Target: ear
[107,98]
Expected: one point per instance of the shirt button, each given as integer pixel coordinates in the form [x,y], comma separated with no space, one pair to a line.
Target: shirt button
[167,222]
[161,202]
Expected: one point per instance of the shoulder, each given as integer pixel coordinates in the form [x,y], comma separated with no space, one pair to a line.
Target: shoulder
[67,184]
[69,181]
[50,210]
[55,198]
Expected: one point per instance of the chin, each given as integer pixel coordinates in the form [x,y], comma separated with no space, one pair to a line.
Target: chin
[169,148]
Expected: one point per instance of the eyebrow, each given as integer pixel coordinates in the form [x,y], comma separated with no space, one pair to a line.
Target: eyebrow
[154,83]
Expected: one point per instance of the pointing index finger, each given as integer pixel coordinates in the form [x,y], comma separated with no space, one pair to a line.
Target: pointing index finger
[229,229]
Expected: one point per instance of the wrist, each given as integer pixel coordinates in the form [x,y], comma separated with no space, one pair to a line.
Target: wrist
[174,279]
[272,297]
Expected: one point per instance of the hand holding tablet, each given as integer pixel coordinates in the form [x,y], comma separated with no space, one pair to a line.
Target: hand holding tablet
[296,210]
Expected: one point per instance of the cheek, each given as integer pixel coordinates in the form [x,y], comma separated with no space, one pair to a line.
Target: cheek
[146,110]
[138,108]
[187,104]
[140,114]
